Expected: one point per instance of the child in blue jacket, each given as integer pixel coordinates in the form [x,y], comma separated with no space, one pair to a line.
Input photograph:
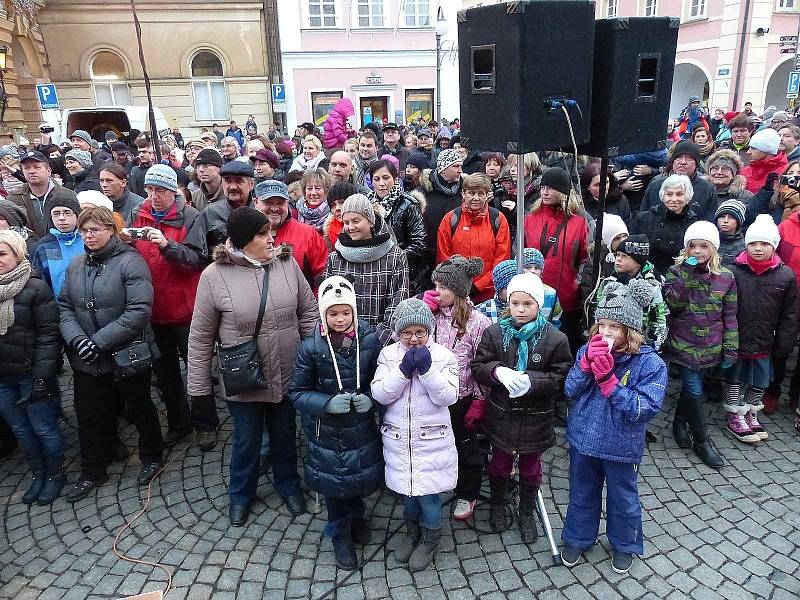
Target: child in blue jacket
[616,386]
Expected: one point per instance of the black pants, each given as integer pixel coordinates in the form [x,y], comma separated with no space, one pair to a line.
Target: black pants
[470,459]
[571,327]
[173,344]
[96,401]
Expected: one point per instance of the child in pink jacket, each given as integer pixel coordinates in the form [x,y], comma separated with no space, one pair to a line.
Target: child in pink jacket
[417,380]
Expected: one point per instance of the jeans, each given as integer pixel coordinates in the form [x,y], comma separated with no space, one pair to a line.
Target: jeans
[264,452]
[341,511]
[425,510]
[623,509]
[530,467]
[96,401]
[249,419]
[692,381]
[173,344]
[35,424]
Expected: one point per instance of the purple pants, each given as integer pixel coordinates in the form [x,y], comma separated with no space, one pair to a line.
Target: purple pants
[530,466]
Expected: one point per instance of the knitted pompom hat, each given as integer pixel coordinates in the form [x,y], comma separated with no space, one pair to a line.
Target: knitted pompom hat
[625,303]
[457,272]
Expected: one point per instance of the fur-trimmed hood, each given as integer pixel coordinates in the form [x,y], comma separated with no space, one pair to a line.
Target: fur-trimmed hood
[425,180]
[727,155]
[224,254]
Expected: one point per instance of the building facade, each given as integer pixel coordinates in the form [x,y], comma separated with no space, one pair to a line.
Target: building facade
[379,53]
[207,61]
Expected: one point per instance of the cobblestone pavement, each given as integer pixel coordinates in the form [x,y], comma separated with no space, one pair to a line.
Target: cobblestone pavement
[729,534]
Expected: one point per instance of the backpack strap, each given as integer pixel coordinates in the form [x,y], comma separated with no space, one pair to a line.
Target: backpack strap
[494,219]
[454,218]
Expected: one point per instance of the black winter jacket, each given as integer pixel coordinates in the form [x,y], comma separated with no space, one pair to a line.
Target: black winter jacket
[440,199]
[405,219]
[81,182]
[767,303]
[345,453]
[524,425]
[32,346]
[107,296]
[616,204]
[665,231]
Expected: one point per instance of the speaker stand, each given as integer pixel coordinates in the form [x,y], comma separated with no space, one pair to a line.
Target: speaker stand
[520,208]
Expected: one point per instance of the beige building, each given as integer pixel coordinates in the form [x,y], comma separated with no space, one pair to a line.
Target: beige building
[208,62]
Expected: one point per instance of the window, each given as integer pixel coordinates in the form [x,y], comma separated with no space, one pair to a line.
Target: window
[322,103]
[786,4]
[208,88]
[417,13]
[370,13]
[611,8]
[322,13]
[649,8]
[697,9]
[107,72]
[419,103]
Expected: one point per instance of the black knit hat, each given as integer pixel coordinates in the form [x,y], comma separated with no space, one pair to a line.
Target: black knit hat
[209,156]
[637,247]
[419,160]
[13,214]
[685,147]
[244,223]
[558,179]
[68,201]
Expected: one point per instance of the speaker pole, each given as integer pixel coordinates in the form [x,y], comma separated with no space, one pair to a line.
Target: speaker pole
[598,227]
[520,208]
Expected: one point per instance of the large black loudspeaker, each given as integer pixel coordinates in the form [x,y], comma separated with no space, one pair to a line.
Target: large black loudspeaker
[519,62]
[634,61]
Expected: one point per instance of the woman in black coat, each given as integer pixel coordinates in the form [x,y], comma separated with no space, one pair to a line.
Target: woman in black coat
[616,202]
[331,388]
[30,351]
[105,306]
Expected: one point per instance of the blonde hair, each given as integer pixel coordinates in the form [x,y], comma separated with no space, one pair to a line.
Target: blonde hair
[15,241]
[531,161]
[312,139]
[462,310]
[633,339]
[714,263]
[570,204]
[317,174]
[351,142]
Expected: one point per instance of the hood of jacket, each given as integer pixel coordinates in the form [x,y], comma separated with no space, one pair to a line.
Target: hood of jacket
[224,254]
[426,180]
[736,187]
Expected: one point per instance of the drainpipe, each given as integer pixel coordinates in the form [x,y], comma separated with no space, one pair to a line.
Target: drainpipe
[743,38]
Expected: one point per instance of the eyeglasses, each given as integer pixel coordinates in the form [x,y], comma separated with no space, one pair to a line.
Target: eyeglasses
[418,335]
[56,214]
[92,230]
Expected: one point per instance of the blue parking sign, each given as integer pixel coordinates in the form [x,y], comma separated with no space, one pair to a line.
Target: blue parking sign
[47,95]
[793,88]
[278,92]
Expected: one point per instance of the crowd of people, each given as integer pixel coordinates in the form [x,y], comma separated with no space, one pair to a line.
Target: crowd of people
[366,281]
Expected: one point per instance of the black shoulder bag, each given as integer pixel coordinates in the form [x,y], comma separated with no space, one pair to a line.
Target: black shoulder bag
[240,365]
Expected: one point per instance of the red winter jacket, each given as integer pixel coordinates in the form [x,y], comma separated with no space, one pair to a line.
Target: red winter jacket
[789,248]
[756,172]
[474,236]
[308,248]
[565,257]
[174,280]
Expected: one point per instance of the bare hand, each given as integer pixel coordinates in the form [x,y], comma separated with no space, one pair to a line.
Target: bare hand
[632,185]
[622,174]
[642,170]
[156,237]
[124,236]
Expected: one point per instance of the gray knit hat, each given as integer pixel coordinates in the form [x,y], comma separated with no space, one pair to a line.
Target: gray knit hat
[82,157]
[457,272]
[162,176]
[625,303]
[412,311]
[359,203]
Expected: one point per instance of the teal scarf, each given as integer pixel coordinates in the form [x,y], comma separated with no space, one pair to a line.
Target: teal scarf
[527,336]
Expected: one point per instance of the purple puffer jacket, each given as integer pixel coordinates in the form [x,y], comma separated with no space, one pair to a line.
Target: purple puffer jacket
[335,127]
[418,444]
[446,334]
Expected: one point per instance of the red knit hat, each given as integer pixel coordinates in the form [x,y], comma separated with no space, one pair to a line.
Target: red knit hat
[730,115]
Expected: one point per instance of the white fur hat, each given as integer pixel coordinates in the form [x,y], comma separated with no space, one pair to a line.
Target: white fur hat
[527,283]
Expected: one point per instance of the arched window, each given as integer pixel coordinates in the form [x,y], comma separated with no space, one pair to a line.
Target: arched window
[107,72]
[208,87]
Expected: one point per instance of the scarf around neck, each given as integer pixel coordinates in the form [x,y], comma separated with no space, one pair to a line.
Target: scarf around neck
[448,189]
[365,251]
[395,194]
[527,336]
[65,238]
[11,284]
[313,216]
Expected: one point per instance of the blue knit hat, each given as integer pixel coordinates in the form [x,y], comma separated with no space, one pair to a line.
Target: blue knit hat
[162,176]
[532,257]
[503,273]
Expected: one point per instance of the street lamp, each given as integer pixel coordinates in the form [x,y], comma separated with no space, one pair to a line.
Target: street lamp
[441,30]
[3,95]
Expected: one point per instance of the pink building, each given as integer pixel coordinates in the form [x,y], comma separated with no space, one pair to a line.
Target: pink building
[379,53]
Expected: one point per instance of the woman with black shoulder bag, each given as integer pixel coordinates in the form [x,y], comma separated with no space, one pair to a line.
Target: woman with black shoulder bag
[105,306]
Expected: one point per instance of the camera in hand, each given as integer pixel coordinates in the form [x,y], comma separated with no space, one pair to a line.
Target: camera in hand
[793,181]
[138,233]
[46,129]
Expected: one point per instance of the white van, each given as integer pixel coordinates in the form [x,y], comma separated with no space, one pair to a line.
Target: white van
[97,120]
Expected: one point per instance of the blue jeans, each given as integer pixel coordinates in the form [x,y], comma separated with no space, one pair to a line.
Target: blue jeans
[623,509]
[249,419]
[341,511]
[264,452]
[34,423]
[425,510]
[692,381]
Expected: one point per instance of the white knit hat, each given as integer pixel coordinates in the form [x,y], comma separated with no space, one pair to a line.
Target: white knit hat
[336,290]
[527,283]
[702,230]
[613,225]
[766,140]
[95,198]
[763,229]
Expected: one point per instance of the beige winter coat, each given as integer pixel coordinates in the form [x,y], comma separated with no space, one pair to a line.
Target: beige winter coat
[226,307]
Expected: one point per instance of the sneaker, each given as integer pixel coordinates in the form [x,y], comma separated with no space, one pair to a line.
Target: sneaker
[751,418]
[797,422]
[739,429]
[570,555]
[464,509]
[770,402]
[621,561]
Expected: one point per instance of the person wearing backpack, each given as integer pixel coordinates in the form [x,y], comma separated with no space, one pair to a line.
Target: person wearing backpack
[475,229]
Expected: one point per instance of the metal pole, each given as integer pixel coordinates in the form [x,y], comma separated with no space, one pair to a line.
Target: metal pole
[438,79]
[153,125]
[520,209]
[598,228]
